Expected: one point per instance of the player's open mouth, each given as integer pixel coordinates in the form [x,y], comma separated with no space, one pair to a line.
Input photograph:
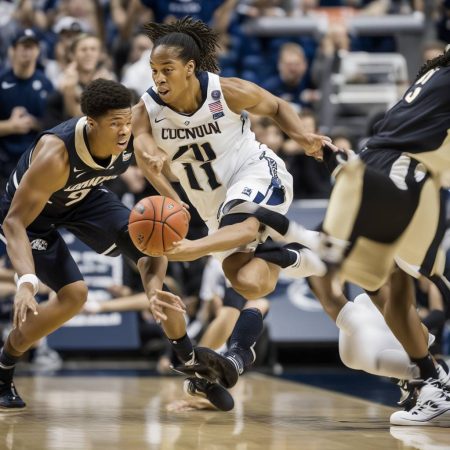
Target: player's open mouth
[162,93]
[122,143]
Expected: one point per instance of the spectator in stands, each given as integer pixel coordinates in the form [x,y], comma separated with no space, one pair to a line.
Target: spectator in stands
[88,12]
[86,65]
[216,13]
[292,83]
[136,75]
[342,141]
[66,30]
[15,16]
[23,99]
[127,18]
[334,45]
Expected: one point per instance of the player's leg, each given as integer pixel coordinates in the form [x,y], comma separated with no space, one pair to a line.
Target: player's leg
[113,215]
[56,268]
[220,329]
[369,259]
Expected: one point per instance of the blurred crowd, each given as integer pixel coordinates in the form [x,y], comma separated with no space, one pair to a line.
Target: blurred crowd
[51,49]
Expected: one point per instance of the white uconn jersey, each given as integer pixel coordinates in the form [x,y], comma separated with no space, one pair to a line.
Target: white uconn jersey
[205,148]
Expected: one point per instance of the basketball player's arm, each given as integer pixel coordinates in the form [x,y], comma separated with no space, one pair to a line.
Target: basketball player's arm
[225,238]
[47,173]
[149,157]
[153,272]
[243,95]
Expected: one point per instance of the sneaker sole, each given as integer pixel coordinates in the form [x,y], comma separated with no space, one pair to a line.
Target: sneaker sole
[439,420]
[13,409]
[219,368]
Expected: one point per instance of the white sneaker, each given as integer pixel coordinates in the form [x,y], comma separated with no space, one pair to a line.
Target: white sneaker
[432,408]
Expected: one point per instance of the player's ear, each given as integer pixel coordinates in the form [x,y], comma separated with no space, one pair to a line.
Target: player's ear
[90,121]
[190,66]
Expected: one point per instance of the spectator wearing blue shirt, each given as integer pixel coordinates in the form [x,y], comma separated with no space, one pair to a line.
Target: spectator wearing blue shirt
[23,99]
[292,83]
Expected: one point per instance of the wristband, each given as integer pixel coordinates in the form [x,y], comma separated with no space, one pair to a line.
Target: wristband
[29,278]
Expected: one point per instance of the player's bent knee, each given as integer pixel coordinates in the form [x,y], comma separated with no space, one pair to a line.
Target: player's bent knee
[73,296]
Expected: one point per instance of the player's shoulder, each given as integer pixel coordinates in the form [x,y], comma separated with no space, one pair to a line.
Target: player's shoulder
[52,150]
[234,87]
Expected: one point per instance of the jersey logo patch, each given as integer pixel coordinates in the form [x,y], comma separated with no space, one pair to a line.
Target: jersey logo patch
[126,156]
[247,191]
[159,120]
[39,244]
[217,109]
[215,95]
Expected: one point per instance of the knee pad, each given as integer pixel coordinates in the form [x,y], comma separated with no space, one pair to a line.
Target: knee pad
[235,211]
[233,300]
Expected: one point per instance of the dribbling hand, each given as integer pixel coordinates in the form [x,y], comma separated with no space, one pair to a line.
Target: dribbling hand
[162,300]
[24,302]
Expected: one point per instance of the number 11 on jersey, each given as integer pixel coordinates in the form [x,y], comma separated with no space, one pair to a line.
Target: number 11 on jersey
[203,153]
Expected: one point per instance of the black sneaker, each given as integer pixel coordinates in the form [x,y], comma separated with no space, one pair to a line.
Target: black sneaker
[215,393]
[9,397]
[212,366]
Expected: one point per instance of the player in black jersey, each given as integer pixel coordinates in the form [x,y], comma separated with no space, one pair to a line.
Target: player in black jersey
[58,183]
[387,207]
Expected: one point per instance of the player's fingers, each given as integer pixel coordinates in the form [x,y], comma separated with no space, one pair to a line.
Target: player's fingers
[172,307]
[23,314]
[159,316]
[166,295]
[330,145]
[33,308]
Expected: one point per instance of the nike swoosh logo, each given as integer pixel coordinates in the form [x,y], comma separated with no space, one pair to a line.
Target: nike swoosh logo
[156,120]
[6,85]
[78,170]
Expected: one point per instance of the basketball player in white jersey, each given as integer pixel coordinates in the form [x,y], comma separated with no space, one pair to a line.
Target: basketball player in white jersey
[197,121]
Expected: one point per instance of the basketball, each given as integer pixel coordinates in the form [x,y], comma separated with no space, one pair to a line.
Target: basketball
[156,223]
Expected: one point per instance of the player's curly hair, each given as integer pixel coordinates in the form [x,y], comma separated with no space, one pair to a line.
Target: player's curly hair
[194,38]
[100,96]
[440,61]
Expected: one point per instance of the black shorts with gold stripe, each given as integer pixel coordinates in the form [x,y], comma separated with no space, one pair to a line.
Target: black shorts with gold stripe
[386,205]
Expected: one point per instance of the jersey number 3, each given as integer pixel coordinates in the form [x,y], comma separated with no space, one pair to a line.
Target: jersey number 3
[203,154]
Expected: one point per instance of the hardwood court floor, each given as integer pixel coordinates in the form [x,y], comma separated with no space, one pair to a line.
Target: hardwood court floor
[96,413]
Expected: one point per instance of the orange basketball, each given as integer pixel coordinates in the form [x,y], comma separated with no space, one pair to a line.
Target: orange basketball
[156,223]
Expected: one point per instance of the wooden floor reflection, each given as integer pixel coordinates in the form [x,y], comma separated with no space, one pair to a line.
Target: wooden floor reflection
[87,413]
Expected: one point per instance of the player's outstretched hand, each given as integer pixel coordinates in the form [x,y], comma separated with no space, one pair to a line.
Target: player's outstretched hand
[184,250]
[314,144]
[23,303]
[162,300]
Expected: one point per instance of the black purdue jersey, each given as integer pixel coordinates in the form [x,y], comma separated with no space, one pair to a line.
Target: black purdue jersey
[85,174]
[419,121]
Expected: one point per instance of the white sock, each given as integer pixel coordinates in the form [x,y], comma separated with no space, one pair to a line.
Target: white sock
[297,233]
[307,264]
